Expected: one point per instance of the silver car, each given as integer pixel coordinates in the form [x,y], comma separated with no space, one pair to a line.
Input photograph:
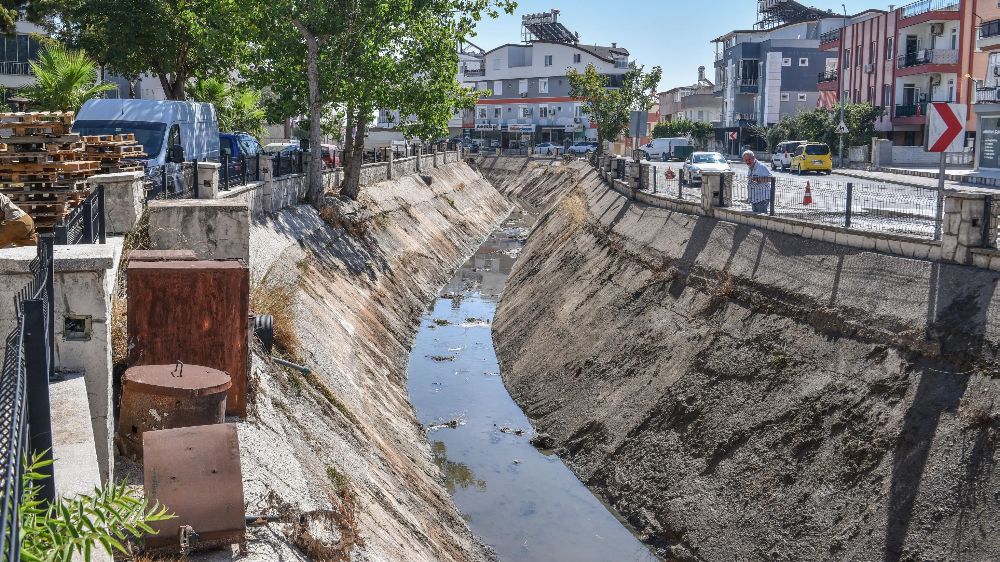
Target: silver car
[700,162]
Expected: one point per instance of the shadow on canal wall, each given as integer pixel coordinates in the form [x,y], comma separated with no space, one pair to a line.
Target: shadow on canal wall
[741,394]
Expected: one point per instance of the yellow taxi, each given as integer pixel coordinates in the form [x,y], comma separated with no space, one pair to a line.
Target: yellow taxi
[812,157]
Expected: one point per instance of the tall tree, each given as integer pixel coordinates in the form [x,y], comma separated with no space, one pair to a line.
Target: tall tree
[237,105]
[173,40]
[610,107]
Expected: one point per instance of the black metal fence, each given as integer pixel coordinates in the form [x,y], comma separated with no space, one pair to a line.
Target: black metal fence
[85,223]
[238,171]
[287,164]
[174,181]
[25,415]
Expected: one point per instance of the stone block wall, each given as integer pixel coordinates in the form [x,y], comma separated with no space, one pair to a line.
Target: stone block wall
[212,229]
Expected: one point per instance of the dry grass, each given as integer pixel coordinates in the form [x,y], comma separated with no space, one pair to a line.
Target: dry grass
[277,299]
[136,239]
[323,534]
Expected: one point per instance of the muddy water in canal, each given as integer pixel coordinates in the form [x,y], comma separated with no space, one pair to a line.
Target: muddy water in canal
[521,501]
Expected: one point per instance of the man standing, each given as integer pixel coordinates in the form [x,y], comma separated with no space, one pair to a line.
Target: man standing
[16,228]
[758,183]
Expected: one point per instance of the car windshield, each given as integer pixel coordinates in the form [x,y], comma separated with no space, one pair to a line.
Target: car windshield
[276,148]
[149,135]
[817,149]
[713,158]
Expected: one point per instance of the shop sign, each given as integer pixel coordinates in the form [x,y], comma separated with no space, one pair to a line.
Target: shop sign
[516,128]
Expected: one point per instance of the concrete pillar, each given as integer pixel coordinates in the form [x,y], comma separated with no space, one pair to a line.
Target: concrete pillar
[216,229]
[434,151]
[267,189]
[124,198]
[83,284]
[714,183]
[388,163]
[633,171]
[208,179]
[962,227]
[419,152]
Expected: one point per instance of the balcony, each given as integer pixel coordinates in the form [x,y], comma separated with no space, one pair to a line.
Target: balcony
[829,37]
[989,35]
[988,95]
[911,62]
[747,86]
[10,68]
[474,72]
[924,10]
[828,76]
[917,110]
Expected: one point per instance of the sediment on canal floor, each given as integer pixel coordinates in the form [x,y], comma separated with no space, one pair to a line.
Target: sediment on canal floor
[340,448]
[745,395]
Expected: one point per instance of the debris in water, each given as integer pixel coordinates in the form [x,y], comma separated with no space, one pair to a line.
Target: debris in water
[543,441]
[512,430]
[442,358]
[516,461]
[452,424]
[454,349]
[442,322]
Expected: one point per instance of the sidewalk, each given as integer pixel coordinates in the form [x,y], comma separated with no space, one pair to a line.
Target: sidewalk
[956,178]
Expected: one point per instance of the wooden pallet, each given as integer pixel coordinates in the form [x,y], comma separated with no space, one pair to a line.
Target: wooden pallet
[65,117]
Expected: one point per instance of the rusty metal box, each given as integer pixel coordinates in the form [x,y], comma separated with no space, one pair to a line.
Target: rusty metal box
[196,473]
[195,312]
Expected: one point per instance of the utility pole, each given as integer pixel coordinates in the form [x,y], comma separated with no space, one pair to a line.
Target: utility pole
[843,38]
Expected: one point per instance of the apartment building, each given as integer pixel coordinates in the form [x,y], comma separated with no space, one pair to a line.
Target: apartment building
[860,64]
[986,106]
[765,74]
[527,88]
[696,102]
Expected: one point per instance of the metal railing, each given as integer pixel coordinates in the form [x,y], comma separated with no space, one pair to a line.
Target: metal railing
[85,223]
[13,68]
[927,56]
[915,110]
[746,85]
[924,6]
[25,413]
[287,164]
[989,29]
[829,36]
[472,72]
[235,172]
[174,181]
[828,76]
[987,95]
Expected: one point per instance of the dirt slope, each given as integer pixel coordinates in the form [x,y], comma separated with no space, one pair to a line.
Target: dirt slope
[740,395]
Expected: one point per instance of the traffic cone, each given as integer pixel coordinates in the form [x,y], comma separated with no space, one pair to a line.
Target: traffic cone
[670,173]
[807,199]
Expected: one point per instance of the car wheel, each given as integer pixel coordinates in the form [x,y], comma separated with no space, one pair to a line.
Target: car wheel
[773,166]
[663,157]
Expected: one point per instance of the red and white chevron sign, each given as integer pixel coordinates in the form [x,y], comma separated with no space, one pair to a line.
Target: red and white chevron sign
[946,127]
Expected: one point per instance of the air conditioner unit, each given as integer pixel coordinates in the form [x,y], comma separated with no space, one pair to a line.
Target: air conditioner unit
[524,94]
[935,79]
[937,29]
[578,120]
[870,67]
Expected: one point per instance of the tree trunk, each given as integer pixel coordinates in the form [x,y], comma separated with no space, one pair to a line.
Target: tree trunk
[314,191]
[352,176]
[173,88]
[347,154]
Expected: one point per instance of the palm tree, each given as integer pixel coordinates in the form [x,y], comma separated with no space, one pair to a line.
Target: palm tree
[238,107]
[65,79]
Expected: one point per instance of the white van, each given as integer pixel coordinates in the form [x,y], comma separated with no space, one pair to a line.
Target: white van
[157,125]
[664,148]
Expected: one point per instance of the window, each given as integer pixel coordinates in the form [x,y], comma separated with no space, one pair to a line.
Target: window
[576,57]
[888,48]
[548,60]
[577,111]
[951,90]
[786,62]
[522,86]
[496,112]
[847,58]
[174,137]
[498,88]
[481,113]
[857,95]
[873,52]
[543,111]
[803,62]
[803,97]
[543,85]
[496,64]
[954,38]
[857,59]
[784,96]
[871,95]
[886,95]
[525,111]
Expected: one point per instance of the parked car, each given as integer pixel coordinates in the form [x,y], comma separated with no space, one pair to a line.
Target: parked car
[549,148]
[583,147]
[701,162]
[782,157]
[671,148]
[812,157]
[285,148]
[331,155]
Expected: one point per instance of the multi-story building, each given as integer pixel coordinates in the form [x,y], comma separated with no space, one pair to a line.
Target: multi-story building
[528,90]
[986,109]
[860,64]
[696,102]
[765,74]
[904,59]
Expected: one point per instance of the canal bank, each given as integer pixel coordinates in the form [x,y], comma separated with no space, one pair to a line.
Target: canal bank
[521,501]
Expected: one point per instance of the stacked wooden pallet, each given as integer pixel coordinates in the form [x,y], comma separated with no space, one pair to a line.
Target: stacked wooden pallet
[116,153]
[43,166]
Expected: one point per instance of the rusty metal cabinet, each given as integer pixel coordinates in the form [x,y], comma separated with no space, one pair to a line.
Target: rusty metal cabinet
[195,312]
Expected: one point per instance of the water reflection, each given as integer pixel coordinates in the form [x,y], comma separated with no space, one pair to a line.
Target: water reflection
[455,473]
[528,505]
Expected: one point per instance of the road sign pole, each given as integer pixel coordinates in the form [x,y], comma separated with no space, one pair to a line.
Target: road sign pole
[939,212]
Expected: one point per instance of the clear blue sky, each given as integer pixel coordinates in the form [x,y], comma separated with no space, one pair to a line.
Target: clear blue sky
[673,34]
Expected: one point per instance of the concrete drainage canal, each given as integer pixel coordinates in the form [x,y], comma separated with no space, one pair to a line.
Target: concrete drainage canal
[522,501]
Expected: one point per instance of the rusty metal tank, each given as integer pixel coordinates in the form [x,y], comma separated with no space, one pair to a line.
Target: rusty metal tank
[158,397]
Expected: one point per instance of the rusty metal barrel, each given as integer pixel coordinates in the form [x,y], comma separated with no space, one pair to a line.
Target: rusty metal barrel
[158,397]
